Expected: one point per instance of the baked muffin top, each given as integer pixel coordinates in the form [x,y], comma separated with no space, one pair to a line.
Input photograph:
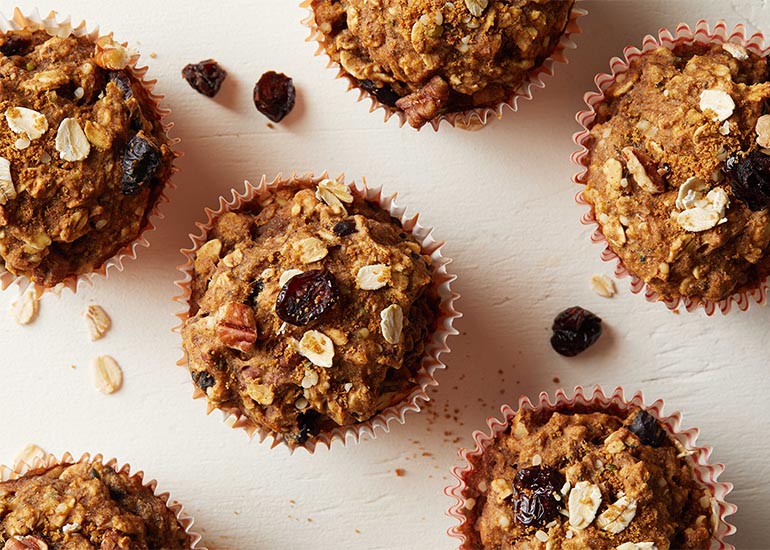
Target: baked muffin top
[85,506]
[677,166]
[603,480]
[308,310]
[83,155]
[427,57]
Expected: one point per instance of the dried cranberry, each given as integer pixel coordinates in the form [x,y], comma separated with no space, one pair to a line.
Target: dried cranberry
[533,495]
[307,296]
[274,95]
[384,94]
[205,77]
[344,228]
[16,44]
[140,161]
[203,379]
[574,330]
[647,429]
[749,178]
[122,81]
[307,426]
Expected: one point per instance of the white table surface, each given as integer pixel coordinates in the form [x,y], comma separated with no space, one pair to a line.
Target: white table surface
[502,200]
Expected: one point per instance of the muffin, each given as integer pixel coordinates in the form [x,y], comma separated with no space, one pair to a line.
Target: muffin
[430,57]
[604,476]
[83,154]
[678,172]
[83,505]
[309,309]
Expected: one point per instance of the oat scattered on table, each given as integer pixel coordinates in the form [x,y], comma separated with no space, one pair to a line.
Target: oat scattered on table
[603,286]
[98,322]
[108,377]
[26,308]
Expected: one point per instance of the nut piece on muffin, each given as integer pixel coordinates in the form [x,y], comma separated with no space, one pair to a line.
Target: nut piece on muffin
[679,175]
[83,506]
[429,57]
[83,155]
[570,479]
[308,310]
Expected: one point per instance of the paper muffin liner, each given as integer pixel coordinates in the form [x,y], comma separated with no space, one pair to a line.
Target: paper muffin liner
[683,35]
[55,26]
[595,399]
[431,360]
[472,119]
[21,468]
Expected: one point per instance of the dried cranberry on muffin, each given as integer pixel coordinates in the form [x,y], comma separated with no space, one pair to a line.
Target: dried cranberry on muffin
[679,172]
[585,477]
[83,154]
[82,506]
[308,310]
[430,57]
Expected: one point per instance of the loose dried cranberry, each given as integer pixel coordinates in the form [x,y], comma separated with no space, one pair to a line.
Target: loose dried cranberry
[274,95]
[384,94]
[122,81]
[305,297]
[533,495]
[344,228]
[574,330]
[203,380]
[140,161]
[205,77]
[749,178]
[16,44]
[647,429]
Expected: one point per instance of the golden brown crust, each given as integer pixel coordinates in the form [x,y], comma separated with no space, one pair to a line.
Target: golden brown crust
[247,358]
[672,510]
[401,46]
[86,506]
[69,216]
[655,111]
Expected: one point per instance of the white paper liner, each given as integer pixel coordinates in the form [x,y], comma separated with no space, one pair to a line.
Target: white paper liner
[64,27]
[696,456]
[682,35]
[21,468]
[473,119]
[431,361]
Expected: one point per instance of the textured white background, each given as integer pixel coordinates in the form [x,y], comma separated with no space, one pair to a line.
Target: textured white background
[503,201]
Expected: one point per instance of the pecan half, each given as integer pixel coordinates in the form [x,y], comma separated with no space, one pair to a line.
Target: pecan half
[425,104]
[237,327]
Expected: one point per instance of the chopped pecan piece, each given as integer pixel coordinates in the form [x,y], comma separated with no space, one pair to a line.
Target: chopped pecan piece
[237,327]
[644,170]
[425,104]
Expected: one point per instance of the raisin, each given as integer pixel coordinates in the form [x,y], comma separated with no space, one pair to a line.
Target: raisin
[274,95]
[256,287]
[94,474]
[140,161]
[647,429]
[575,330]
[16,44]
[384,94]
[117,493]
[307,426]
[203,380]
[307,296]
[205,77]
[123,82]
[344,228]
[533,495]
[749,178]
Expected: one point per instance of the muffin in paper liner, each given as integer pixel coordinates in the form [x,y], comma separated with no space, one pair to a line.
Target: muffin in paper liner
[63,27]
[47,461]
[701,34]
[434,348]
[596,400]
[472,119]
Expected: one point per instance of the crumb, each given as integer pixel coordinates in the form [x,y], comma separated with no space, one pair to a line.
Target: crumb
[556,380]
[358,532]
[153,55]
[400,472]
[310,520]
[270,125]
